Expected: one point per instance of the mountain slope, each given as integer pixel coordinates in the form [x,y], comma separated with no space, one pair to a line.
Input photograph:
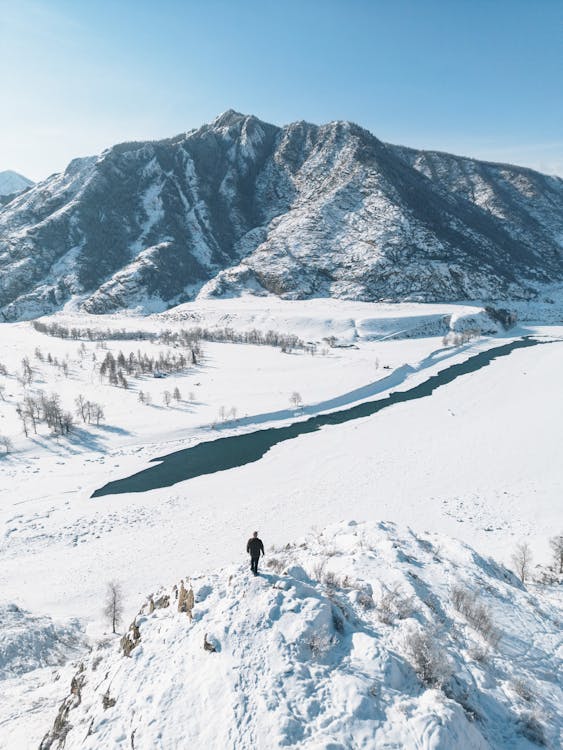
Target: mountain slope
[301,211]
[362,636]
[11,184]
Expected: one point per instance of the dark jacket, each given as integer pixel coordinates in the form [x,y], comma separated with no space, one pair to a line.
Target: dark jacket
[255,546]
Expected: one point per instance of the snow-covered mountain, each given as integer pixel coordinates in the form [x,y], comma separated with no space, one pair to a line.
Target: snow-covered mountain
[302,211]
[11,184]
[361,636]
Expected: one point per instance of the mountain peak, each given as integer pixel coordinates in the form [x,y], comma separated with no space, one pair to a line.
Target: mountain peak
[12,182]
[228,119]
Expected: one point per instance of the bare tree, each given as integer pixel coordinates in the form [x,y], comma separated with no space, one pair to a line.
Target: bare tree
[177,396]
[295,399]
[113,609]
[556,544]
[20,410]
[81,407]
[522,559]
[6,443]
[27,371]
[141,397]
[96,413]
[66,423]
[167,398]
[32,407]
[2,389]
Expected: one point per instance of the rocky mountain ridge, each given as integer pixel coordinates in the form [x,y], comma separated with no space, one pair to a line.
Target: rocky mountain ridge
[241,206]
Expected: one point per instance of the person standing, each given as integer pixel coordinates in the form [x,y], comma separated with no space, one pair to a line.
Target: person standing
[254,547]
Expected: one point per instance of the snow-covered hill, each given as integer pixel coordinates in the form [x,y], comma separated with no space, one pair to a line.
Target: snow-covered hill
[240,206]
[11,184]
[360,636]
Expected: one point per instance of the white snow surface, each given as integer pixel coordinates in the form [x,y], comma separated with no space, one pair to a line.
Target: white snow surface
[478,461]
[12,182]
[311,657]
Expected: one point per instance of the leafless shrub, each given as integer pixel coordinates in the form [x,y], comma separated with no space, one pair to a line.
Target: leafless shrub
[365,600]
[393,604]
[478,653]
[556,544]
[461,597]
[531,728]
[523,689]
[278,566]
[331,580]
[319,569]
[476,613]
[319,644]
[427,657]
[108,701]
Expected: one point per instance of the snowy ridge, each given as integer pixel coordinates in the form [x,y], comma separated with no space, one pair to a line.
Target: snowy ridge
[361,636]
[241,207]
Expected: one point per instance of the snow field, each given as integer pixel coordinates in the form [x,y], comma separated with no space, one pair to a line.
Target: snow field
[479,460]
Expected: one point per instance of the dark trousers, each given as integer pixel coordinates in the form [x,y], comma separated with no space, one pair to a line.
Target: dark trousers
[254,565]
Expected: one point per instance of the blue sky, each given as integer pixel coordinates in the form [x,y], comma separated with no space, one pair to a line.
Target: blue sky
[475,77]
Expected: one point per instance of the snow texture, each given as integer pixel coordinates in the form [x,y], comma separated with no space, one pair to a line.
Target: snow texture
[12,183]
[325,649]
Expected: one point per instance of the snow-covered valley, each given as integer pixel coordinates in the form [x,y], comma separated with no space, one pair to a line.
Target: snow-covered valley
[477,461]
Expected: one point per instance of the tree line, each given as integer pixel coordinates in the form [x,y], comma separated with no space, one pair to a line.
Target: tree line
[184,337]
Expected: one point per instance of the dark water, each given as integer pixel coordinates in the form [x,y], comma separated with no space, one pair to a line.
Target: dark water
[237,450]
